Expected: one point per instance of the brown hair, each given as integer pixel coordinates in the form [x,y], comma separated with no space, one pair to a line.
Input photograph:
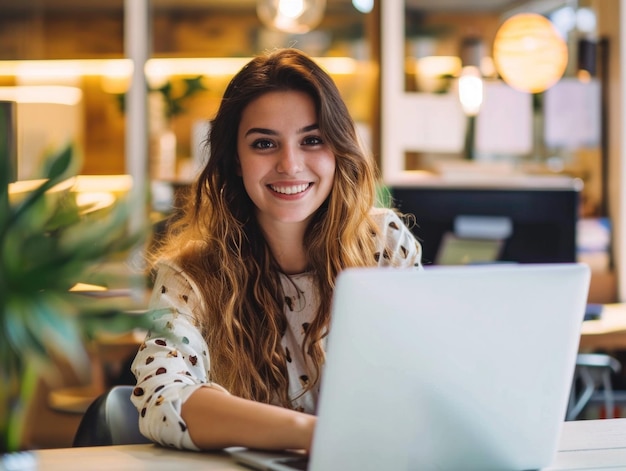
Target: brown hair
[219,244]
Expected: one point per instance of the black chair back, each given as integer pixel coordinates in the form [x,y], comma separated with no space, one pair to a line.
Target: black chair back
[111,419]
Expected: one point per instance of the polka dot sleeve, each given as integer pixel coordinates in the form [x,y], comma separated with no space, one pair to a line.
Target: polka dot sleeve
[171,364]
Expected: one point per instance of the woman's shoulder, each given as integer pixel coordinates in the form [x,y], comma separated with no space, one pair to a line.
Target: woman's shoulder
[386,217]
[400,247]
[168,268]
[170,276]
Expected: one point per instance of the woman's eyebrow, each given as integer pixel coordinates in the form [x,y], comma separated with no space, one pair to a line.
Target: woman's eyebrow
[261,131]
[310,127]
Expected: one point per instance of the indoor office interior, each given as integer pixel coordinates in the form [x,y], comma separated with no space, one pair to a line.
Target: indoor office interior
[499,161]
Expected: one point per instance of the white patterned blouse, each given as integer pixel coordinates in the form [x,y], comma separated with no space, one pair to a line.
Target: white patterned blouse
[169,369]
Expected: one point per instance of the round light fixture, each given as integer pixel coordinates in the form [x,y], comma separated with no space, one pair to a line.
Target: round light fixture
[529,53]
[291,16]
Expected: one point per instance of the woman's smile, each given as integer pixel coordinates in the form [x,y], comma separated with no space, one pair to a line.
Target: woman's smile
[287,168]
[290,190]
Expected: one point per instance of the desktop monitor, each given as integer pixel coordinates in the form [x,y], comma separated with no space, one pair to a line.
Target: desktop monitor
[520,223]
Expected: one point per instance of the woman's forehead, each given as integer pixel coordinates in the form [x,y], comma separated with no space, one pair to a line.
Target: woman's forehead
[279,110]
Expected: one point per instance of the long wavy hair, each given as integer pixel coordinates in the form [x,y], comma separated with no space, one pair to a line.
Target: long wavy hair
[219,244]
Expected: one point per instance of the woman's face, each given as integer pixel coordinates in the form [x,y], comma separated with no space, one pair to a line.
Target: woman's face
[286,166]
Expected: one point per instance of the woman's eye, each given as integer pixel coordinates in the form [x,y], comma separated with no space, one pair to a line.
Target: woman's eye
[262,144]
[313,141]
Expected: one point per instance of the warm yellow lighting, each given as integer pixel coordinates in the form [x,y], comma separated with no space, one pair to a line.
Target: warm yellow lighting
[116,76]
[195,66]
[227,66]
[46,70]
[53,69]
[338,65]
[487,67]
[584,76]
[21,188]
[117,71]
[42,94]
[291,16]
[90,189]
[529,53]
[82,287]
[291,8]
[117,184]
[433,72]
[94,201]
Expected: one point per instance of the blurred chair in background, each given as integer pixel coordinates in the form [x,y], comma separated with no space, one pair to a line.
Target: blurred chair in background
[592,384]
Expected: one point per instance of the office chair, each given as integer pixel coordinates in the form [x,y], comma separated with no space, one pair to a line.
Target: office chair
[592,383]
[111,419]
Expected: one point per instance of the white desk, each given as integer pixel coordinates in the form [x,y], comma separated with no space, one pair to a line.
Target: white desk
[585,445]
[592,444]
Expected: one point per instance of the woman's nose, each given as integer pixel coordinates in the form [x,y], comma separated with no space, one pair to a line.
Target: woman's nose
[289,160]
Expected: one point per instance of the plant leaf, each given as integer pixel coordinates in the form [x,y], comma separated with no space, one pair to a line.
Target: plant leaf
[61,166]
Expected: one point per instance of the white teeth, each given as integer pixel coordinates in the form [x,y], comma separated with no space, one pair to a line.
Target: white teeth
[290,190]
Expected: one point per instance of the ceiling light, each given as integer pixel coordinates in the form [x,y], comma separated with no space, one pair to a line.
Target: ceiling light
[364,6]
[529,53]
[291,16]
[471,90]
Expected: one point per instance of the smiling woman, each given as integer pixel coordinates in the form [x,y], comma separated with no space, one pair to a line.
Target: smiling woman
[245,279]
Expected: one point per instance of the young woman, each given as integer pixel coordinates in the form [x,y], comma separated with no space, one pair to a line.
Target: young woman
[245,279]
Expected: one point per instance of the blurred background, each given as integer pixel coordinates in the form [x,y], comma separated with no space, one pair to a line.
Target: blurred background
[445,98]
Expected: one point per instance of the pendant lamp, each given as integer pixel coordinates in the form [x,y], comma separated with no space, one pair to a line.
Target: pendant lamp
[291,16]
[529,52]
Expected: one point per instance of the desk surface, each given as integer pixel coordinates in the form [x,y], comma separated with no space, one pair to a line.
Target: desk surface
[585,445]
[608,332]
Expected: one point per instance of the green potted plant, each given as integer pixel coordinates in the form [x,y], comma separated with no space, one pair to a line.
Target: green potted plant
[48,244]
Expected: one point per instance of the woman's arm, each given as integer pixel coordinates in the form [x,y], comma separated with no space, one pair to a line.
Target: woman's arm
[179,406]
[240,422]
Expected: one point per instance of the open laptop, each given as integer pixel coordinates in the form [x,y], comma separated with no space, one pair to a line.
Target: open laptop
[449,368]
